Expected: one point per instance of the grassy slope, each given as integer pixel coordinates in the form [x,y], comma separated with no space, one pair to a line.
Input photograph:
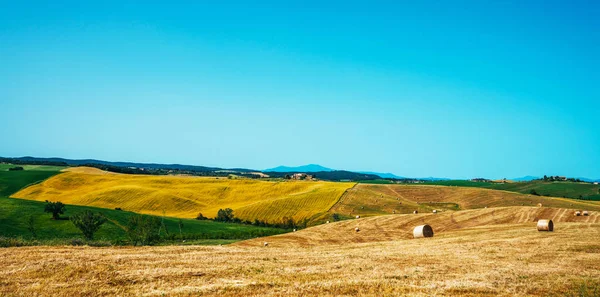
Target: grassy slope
[554,189]
[12,181]
[374,199]
[180,196]
[15,212]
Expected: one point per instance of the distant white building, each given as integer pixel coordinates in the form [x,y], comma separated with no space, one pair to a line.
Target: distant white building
[595,183]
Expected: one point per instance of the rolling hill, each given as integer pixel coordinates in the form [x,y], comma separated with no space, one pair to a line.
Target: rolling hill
[400,227]
[564,189]
[185,196]
[380,199]
[15,213]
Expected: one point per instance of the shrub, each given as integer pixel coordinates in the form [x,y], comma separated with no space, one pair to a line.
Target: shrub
[31,226]
[143,230]
[88,223]
[56,208]
[335,217]
[76,242]
[224,215]
[201,217]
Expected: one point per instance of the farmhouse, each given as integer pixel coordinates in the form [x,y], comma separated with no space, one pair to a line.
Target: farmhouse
[302,176]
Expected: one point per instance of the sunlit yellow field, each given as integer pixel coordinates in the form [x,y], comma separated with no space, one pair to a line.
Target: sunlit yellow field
[185,196]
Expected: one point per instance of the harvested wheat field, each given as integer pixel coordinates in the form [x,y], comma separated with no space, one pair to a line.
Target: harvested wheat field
[374,199]
[399,227]
[480,261]
[185,196]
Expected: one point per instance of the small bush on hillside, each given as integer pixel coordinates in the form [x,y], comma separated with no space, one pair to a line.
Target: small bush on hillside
[534,192]
[18,168]
[201,217]
[335,217]
[15,242]
[118,208]
[143,230]
[76,242]
[56,208]
[31,226]
[88,223]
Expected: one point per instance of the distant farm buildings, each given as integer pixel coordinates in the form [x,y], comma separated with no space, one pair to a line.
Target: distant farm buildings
[300,176]
[481,180]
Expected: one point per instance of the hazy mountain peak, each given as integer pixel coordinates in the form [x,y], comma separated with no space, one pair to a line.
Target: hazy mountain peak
[303,168]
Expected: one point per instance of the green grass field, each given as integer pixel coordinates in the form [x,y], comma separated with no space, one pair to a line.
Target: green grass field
[555,189]
[12,181]
[14,214]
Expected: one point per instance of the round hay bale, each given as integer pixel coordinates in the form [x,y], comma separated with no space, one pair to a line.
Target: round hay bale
[539,205]
[266,244]
[545,225]
[435,211]
[577,213]
[393,211]
[327,222]
[586,213]
[358,217]
[294,230]
[356,229]
[423,231]
[416,212]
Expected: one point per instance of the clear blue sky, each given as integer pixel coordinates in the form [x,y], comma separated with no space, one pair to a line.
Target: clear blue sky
[450,89]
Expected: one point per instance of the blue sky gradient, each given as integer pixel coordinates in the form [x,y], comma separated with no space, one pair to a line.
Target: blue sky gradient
[450,89]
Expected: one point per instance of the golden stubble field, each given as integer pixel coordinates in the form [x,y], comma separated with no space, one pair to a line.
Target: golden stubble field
[488,260]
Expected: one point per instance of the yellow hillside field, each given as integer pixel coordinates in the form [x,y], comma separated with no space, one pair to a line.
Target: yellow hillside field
[186,196]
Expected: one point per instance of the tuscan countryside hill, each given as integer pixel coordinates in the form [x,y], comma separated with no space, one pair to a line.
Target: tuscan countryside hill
[186,197]
[270,201]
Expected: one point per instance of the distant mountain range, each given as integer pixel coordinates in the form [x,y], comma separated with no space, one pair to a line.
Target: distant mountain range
[303,168]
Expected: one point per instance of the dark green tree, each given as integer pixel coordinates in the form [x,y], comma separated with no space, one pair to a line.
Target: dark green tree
[224,215]
[88,223]
[143,230]
[56,208]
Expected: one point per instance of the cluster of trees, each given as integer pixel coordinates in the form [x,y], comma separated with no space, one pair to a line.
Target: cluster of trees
[141,230]
[226,216]
[18,168]
[560,178]
[203,171]
[31,162]
[147,230]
